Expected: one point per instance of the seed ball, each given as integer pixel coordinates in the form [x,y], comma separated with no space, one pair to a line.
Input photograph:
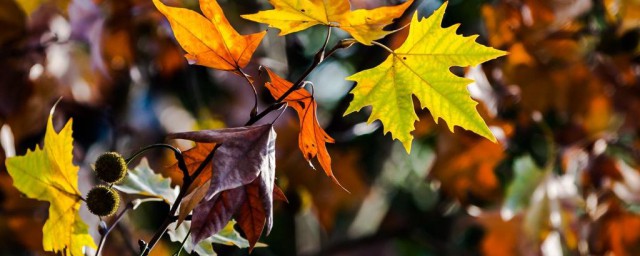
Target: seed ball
[103,201]
[111,167]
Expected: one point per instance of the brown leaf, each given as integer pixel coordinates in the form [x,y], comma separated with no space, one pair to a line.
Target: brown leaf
[245,153]
[242,183]
[312,137]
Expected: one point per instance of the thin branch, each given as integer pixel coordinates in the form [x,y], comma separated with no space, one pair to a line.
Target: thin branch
[128,207]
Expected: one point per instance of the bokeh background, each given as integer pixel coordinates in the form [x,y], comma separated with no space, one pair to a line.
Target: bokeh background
[564,104]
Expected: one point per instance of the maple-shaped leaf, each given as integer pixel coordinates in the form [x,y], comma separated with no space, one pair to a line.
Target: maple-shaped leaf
[242,183]
[142,180]
[420,67]
[48,174]
[210,41]
[364,25]
[312,137]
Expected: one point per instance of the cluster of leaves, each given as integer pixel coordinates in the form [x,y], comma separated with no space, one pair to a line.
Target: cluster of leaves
[231,172]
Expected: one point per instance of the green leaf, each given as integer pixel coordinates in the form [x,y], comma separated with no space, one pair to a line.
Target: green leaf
[142,180]
[48,174]
[420,67]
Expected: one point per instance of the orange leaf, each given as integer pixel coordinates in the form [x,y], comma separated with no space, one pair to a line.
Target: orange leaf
[193,158]
[312,137]
[210,41]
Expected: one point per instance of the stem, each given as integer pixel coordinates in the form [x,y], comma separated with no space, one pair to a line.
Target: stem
[128,207]
[176,152]
[254,111]
[318,58]
[383,47]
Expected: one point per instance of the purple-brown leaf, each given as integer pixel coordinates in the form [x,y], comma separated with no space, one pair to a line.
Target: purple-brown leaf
[242,183]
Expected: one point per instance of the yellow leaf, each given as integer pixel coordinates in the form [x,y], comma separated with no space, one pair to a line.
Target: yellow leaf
[420,67]
[210,41]
[48,174]
[364,25]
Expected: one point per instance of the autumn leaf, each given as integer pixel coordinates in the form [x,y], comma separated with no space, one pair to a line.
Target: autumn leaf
[48,174]
[420,67]
[312,137]
[294,15]
[210,41]
[243,188]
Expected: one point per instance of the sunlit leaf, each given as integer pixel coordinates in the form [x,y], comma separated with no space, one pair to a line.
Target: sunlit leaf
[210,40]
[48,174]
[364,25]
[420,67]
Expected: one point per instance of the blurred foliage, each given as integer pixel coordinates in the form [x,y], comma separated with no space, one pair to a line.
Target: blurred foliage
[564,105]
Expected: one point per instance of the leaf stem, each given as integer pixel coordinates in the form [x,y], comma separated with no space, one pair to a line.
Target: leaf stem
[383,47]
[254,111]
[176,152]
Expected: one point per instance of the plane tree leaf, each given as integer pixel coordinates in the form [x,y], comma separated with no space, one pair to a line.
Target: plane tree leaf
[295,15]
[47,173]
[420,67]
[242,184]
[312,138]
[210,40]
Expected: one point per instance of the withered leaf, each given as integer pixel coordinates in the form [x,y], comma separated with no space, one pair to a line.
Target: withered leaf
[242,184]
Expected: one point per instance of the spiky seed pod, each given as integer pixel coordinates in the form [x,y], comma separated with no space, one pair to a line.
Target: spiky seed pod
[103,201]
[111,167]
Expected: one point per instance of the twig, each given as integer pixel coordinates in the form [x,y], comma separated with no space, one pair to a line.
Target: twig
[128,207]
